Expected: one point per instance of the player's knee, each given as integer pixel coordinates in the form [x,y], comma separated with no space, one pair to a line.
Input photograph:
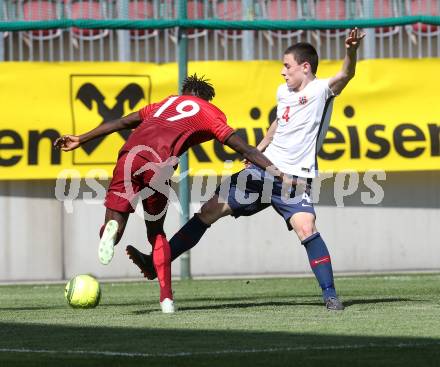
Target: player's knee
[305,231]
[208,213]
[212,210]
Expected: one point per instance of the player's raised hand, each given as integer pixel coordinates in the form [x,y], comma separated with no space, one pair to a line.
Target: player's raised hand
[354,39]
[67,142]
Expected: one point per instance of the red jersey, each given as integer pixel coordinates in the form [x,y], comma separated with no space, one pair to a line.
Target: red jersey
[175,124]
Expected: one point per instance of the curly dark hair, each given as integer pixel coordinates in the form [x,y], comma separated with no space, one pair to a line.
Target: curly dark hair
[199,87]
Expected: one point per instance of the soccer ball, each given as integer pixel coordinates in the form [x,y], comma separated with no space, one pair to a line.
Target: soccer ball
[82,291]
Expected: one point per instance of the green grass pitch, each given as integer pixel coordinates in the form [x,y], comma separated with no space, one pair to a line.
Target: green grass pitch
[389,320]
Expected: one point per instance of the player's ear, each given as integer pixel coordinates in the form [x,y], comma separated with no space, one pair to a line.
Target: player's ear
[307,68]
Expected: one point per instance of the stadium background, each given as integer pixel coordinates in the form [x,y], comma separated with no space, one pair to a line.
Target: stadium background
[40,240]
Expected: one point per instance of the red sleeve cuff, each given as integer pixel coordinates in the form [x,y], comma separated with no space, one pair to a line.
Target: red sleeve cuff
[224,136]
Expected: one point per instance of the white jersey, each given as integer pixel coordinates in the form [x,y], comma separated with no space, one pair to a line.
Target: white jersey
[303,119]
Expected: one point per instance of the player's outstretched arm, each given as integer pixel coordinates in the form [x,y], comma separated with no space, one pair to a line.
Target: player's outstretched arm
[268,137]
[254,156]
[264,143]
[341,79]
[71,142]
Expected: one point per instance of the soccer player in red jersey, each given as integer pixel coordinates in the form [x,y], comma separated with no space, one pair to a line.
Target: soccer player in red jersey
[292,143]
[162,132]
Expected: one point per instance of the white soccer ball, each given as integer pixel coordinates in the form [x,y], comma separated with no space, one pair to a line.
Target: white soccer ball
[83,291]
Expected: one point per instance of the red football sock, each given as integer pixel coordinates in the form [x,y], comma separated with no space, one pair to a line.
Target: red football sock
[162,264]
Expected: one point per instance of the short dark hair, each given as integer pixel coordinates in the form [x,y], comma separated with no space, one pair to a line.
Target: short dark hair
[199,87]
[304,52]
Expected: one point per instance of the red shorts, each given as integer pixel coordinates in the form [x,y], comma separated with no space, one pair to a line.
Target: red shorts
[123,191]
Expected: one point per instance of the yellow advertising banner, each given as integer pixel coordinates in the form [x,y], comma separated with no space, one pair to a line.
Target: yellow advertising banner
[386,118]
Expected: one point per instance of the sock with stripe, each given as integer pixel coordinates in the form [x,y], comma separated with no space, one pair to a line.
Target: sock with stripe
[188,236]
[320,263]
[162,264]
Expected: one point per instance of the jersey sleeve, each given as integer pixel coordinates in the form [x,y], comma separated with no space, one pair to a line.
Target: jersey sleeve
[325,85]
[220,128]
[146,111]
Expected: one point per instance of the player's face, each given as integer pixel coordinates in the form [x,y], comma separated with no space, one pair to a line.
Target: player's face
[293,73]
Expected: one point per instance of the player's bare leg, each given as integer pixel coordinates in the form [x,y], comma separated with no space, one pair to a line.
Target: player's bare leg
[303,224]
[186,238]
[319,257]
[110,234]
[191,233]
[213,210]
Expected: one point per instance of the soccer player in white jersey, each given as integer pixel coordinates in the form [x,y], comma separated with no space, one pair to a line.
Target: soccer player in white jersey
[292,144]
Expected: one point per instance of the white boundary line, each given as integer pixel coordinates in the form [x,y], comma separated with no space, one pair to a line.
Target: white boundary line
[342,274]
[220,352]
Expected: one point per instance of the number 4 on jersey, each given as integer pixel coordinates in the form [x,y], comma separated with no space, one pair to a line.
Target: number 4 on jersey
[286,114]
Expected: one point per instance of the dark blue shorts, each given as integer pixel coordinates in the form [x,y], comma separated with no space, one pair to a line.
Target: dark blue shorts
[251,190]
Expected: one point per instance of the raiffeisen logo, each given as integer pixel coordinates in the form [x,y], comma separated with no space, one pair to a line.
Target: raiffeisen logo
[376,126]
[97,99]
[378,140]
